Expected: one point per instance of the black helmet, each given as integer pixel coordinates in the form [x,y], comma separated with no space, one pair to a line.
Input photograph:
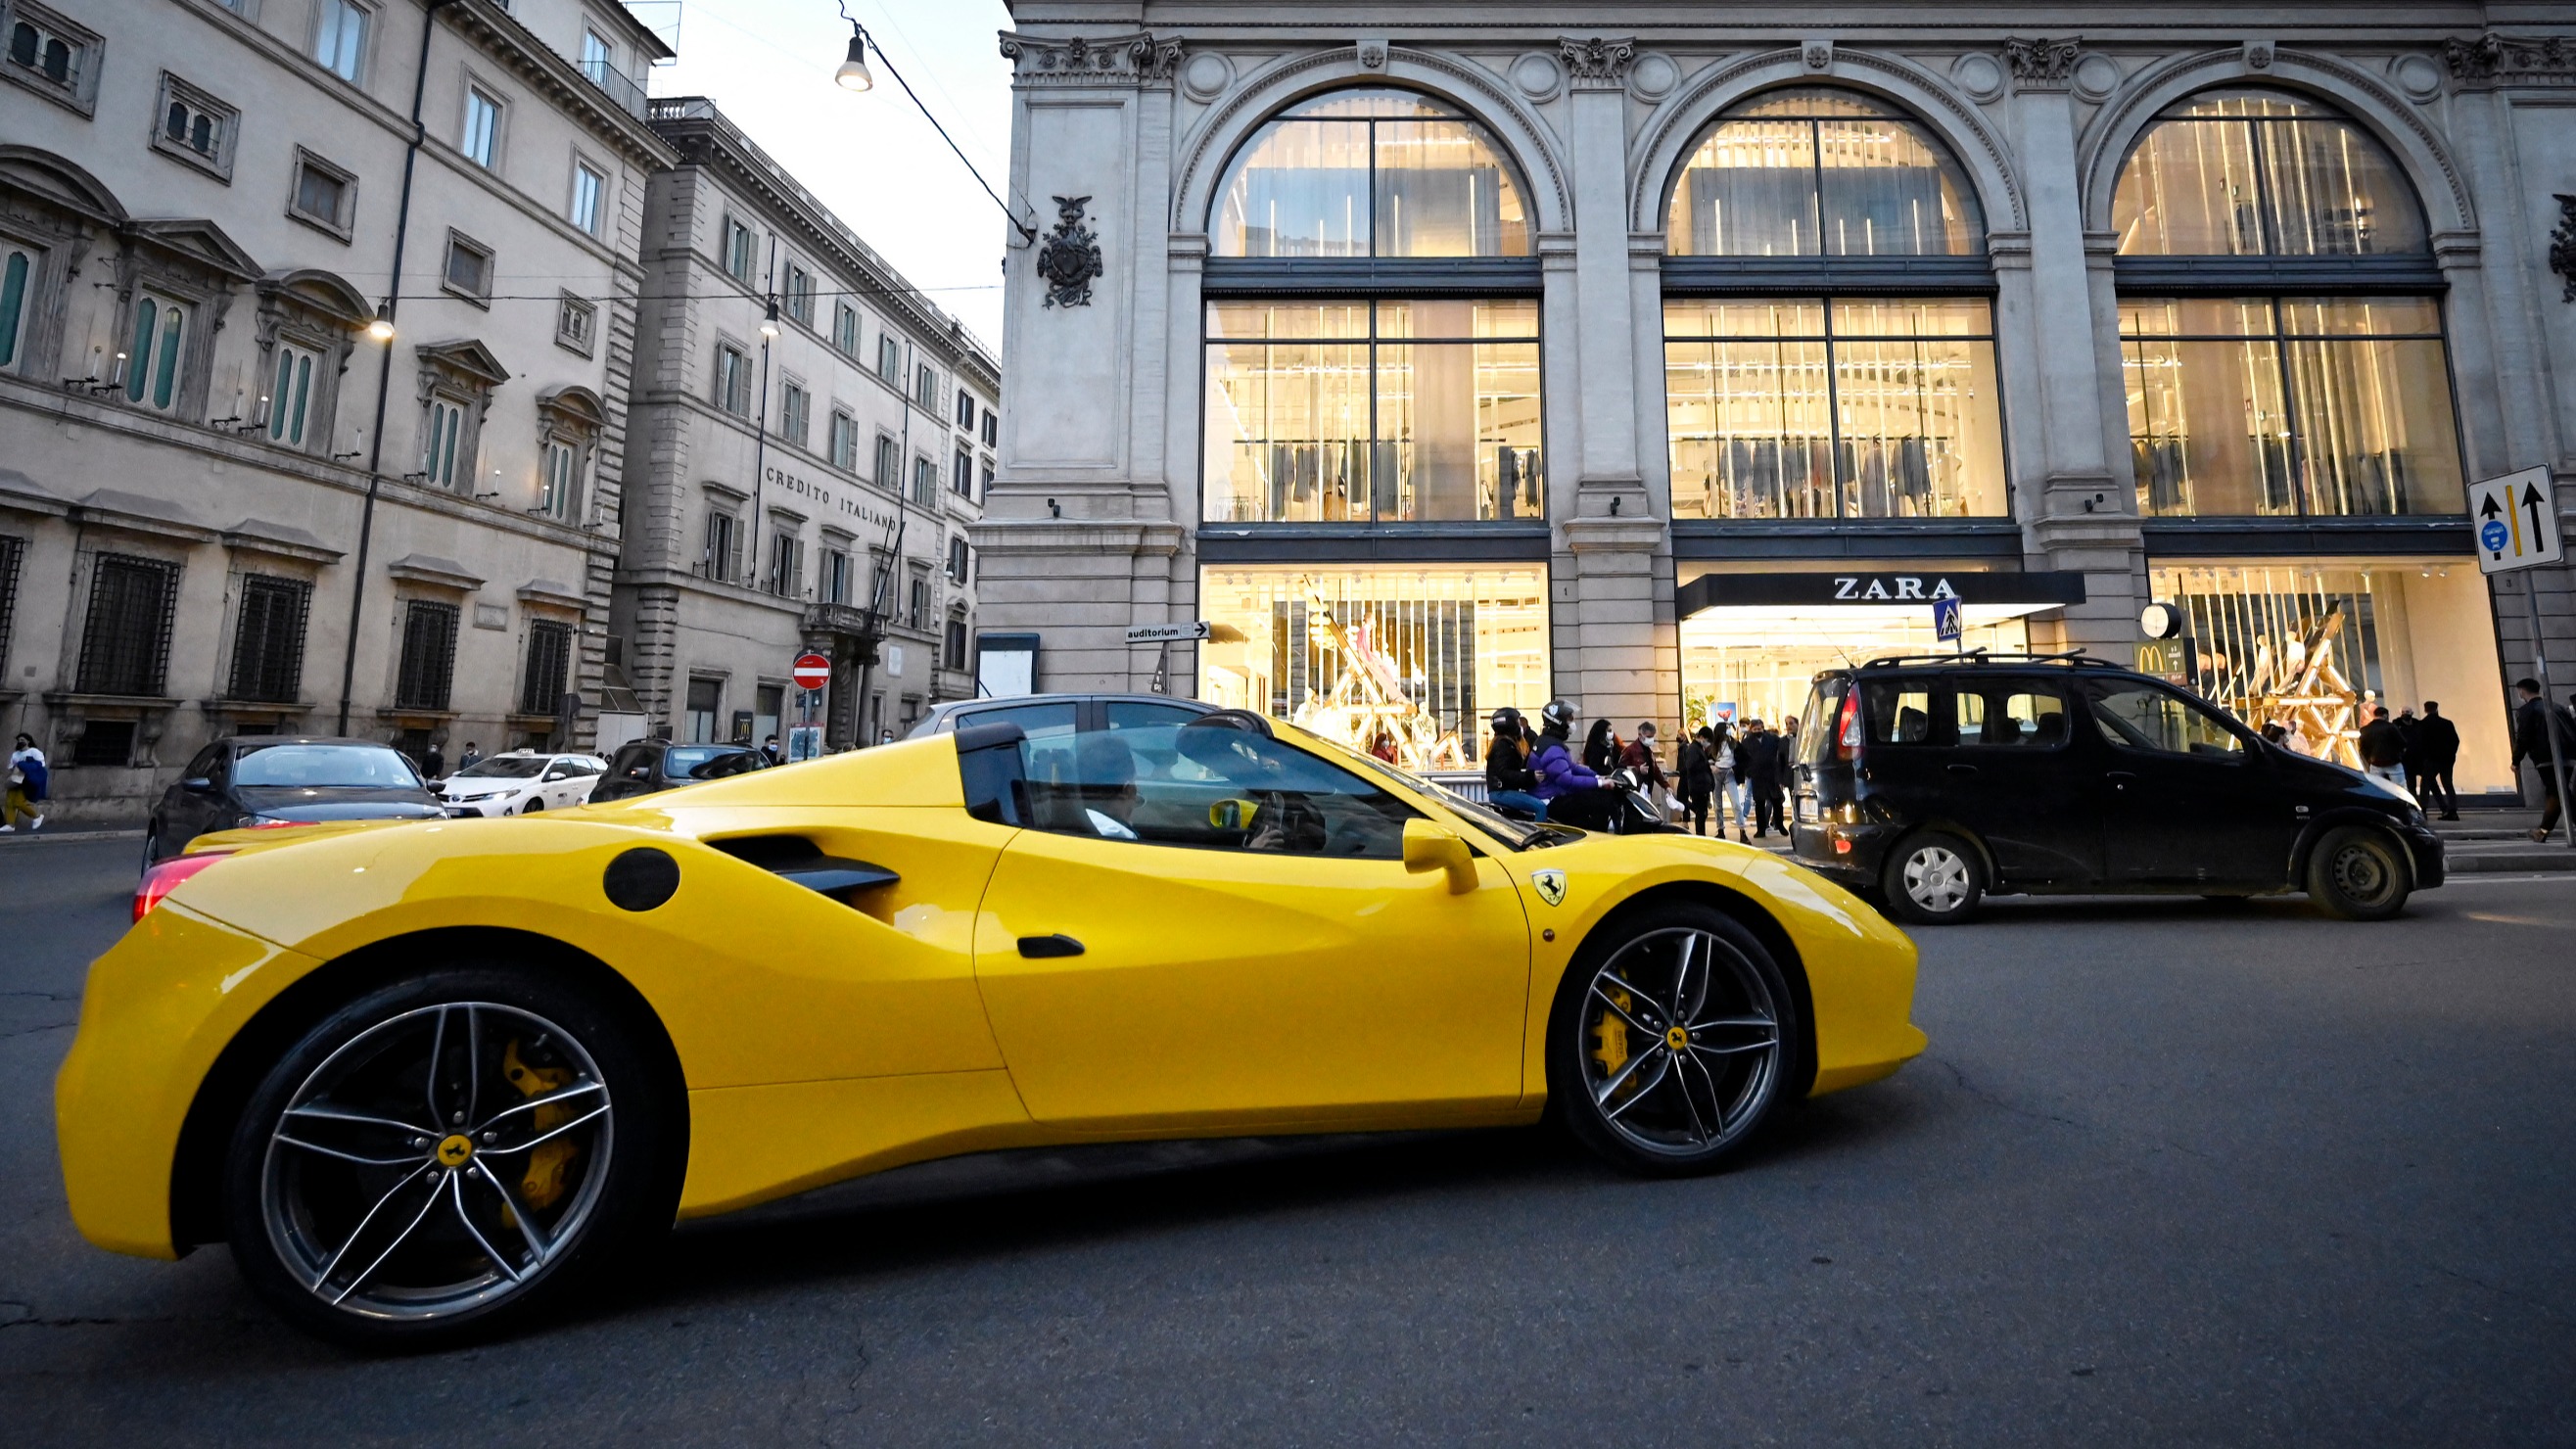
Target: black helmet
[1506,721]
[1558,715]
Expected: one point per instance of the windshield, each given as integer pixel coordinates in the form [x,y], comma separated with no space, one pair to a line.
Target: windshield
[502,767]
[326,767]
[707,762]
[1518,834]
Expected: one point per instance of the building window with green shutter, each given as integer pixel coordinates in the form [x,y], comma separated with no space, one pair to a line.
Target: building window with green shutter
[541,686]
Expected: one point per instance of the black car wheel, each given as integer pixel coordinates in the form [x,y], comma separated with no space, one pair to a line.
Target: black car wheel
[535,804]
[447,1155]
[151,846]
[1933,879]
[2357,874]
[1671,1040]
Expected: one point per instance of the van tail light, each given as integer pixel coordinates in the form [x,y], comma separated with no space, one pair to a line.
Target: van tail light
[164,878]
[1847,729]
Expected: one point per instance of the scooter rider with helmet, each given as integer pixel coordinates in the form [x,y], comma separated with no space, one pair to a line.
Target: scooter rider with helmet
[1559,775]
[1508,778]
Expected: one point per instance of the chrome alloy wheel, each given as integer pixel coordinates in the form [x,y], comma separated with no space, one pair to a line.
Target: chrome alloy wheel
[1681,1042]
[1936,878]
[438,1161]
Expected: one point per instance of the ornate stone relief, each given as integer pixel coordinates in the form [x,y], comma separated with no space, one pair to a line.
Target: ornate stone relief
[2514,58]
[1537,76]
[2042,64]
[1817,55]
[2258,55]
[2417,76]
[1069,258]
[1206,75]
[1981,76]
[2096,76]
[1653,76]
[1137,59]
[1598,63]
[2562,246]
[1372,52]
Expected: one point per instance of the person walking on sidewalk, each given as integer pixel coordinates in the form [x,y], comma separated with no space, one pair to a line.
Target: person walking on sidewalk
[2534,720]
[27,780]
[2437,754]
[1730,782]
[1758,759]
[2383,749]
[1695,778]
[1638,756]
[1601,748]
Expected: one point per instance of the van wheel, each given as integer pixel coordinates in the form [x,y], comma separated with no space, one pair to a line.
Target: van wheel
[1933,879]
[2355,873]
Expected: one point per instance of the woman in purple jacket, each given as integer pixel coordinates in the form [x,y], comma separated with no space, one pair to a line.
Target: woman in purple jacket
[1558,773]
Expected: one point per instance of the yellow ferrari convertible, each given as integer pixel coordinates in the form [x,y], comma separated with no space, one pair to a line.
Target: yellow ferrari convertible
[425,1078]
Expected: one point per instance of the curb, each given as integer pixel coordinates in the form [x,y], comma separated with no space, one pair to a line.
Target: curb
[31,837]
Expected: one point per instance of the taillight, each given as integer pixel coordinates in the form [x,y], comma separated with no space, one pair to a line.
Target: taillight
[164,878]
[1847,731]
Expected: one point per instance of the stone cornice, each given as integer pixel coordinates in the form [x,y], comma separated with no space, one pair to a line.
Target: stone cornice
[1114,537]
[499,34]
[1134,59]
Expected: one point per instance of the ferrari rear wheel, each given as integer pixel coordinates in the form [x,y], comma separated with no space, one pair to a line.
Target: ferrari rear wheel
[1674,1037]
[443,1156]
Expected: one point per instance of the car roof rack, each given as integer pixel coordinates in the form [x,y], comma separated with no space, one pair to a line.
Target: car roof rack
[2076,659]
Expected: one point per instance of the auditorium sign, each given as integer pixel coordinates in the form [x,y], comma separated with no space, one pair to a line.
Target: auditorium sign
[1830,588]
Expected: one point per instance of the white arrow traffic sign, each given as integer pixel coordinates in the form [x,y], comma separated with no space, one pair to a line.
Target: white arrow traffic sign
[2516,517]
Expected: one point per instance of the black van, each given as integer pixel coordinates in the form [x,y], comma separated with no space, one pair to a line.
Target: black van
[1930,782]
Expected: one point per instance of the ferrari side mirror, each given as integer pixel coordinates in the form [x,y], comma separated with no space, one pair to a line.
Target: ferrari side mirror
[1428,847]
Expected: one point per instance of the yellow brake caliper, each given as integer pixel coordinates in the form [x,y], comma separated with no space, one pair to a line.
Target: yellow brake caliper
[544,1181]
[1612,1033]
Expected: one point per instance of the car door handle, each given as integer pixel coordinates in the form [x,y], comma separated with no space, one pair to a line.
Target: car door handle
[1963,769]
[2120,779]
[1058,944]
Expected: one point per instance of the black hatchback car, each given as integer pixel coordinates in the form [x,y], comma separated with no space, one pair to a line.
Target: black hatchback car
[1931,782]
[250,781]
[645,766]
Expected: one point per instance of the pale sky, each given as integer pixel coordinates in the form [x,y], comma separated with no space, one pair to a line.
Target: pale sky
[871,158]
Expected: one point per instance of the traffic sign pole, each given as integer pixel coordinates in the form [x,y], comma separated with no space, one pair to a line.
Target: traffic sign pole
[2516,518]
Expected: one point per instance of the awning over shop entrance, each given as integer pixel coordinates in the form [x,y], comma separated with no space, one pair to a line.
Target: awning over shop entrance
[2016,593]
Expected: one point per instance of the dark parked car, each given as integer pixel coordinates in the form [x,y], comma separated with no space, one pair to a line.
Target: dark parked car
[255,780]
[1039,715]
[644,766]
[1933,782]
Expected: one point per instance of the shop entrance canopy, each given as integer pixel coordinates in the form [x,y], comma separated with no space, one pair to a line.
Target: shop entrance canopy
[1983,595]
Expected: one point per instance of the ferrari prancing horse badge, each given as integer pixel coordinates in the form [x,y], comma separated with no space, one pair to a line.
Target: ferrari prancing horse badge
[1550,885]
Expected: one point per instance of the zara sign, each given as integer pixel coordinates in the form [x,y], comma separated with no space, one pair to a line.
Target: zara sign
[1829,588]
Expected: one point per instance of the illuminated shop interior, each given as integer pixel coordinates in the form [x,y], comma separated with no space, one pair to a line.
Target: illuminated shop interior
[1757,661]
[1413,655]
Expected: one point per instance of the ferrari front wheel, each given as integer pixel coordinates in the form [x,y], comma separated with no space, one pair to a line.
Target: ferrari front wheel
[1673,1038]
[444,1155]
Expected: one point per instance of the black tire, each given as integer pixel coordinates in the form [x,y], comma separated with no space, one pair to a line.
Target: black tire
[151,846]
[1704,1095]
[367,1151]
[1933,878]
[2358,874]
[534,805]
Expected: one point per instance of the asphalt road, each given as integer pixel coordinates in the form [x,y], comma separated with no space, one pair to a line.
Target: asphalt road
[2172,1172]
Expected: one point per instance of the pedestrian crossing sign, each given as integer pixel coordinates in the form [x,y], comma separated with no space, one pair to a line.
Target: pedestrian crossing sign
[2516,517]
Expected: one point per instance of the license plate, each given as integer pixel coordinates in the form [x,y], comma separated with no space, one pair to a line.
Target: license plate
[1807,809]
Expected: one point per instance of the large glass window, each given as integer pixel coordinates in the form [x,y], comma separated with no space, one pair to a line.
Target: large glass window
[1386,411]
[1364,173]
[2319,405]
[1813,171]
[1411,656]
[2252,173]
[1853,407]
[1210,787]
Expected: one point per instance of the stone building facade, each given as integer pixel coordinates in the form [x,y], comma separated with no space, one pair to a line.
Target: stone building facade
[1447,356]
[813,439]
[317,319]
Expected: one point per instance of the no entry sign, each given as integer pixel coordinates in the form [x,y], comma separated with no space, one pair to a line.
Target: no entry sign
[813,671]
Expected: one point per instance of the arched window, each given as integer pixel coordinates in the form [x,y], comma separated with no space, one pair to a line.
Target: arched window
[1828,325]
[1373,413]
[1371,173]
[1816,171]
[2275,361]
[2262,173]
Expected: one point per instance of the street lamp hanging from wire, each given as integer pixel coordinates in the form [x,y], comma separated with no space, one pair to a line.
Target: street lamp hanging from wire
[854,76]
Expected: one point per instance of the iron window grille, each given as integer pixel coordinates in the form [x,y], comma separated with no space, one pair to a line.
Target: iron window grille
[268,647]
[125,644]
[428,673]
[13,553]
[549,665]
